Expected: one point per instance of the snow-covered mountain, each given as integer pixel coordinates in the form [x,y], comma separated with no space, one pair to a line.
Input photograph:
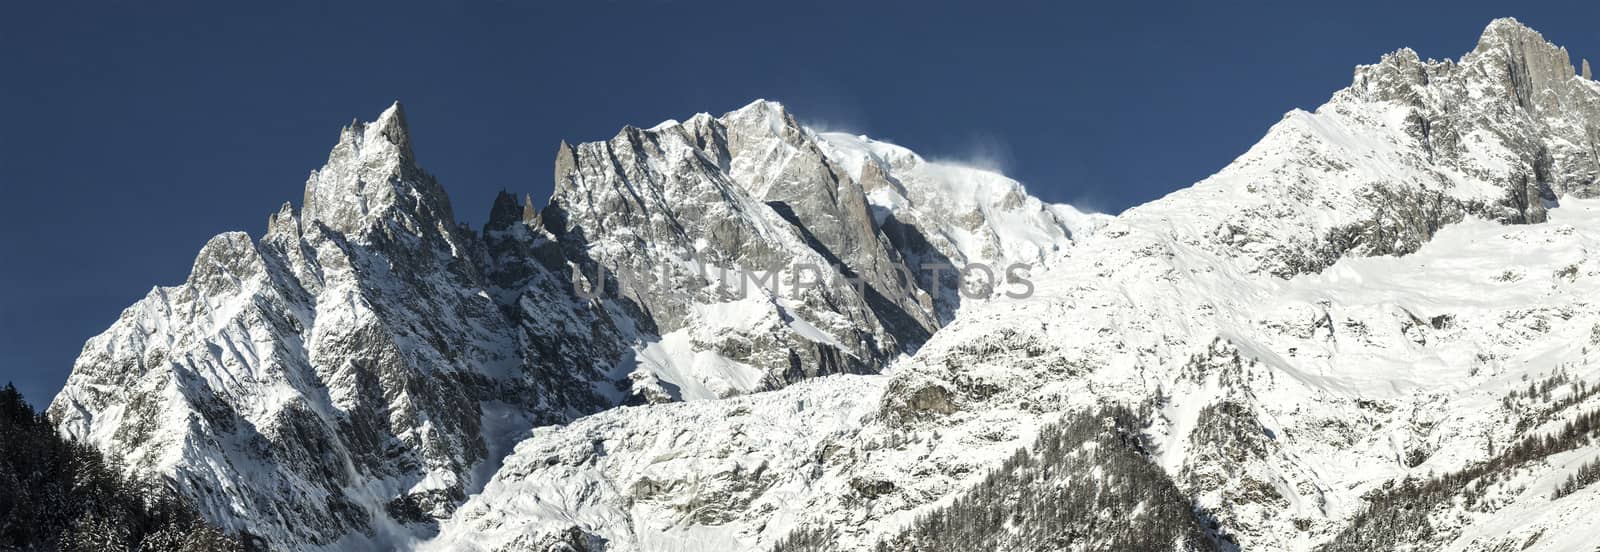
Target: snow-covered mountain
[1372,329]
[353,375]
[1292,370]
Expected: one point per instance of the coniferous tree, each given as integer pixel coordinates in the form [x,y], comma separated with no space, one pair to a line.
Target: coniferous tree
[58,494]
[1078,487]
[1398,514]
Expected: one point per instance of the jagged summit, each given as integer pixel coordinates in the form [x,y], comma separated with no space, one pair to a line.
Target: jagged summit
[391,124]
[1503,133]
[505,210]
[566,161]
[1506,49]
[757,107]
[1507,29]
[372,177]
[1532,66]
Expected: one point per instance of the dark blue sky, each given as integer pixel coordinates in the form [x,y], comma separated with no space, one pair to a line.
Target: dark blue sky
[130,132]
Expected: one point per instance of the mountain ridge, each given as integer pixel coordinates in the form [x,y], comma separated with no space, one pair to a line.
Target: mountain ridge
[432,386]
[1274,404]
[370,354]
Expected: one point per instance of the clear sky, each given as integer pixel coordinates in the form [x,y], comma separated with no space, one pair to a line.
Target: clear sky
[130,132]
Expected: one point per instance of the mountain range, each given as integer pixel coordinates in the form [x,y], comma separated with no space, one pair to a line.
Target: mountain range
[1372,330]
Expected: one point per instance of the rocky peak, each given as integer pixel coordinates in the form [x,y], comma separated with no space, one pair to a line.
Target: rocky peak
[761,113]
[505,212]
[566,162]
[1507,32]
[372,176]
[223,265]
[283,223]
[1515,89]
[391,125]
[530,214]
[1530,66]
[758,122]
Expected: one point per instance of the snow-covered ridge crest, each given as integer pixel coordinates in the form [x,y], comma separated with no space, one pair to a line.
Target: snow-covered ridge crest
[980,215]
[974,214]
[371,172]
[1408,148]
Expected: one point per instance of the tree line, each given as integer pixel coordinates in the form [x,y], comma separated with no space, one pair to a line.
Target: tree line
[1398,514]
[1087,483]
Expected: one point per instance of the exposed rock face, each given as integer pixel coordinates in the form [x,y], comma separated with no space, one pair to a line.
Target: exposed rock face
[355,374]
[753,241]
[1513,90]
[1502,134]
[716,217]
[347,371]
[948,214]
